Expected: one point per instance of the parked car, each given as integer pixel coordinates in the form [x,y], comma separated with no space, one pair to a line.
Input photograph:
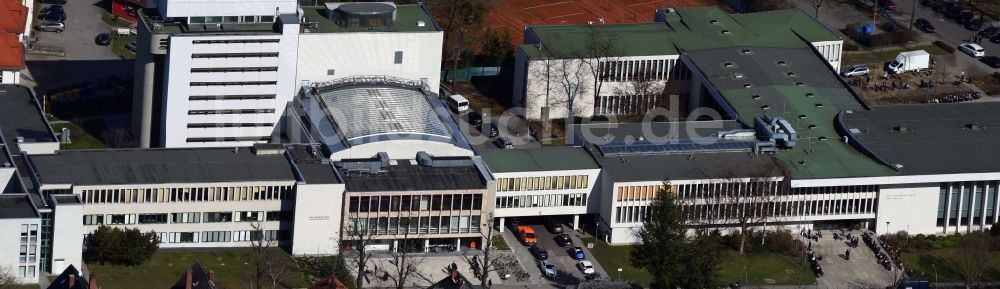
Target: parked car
[563,240]
[991,61]
[539,253]
[964,17]
[513,223]
[995,38]
[130,46]
[547,267]
[554,226]
[890,27]
[475,118]
[494,130]
[56,27]
[975,24]
[576,253]
[54,16]
[952,10]
[972,49]
[924,25]
[989,32]
[103,39]
[887,4]
[504,142]
[586,267]
[856,70]
[52,8]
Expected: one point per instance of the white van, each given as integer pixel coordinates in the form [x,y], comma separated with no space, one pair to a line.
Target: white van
[458,103]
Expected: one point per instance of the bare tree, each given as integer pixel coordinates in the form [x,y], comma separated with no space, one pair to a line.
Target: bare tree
[646,92]
[972,259]
[462,19]
[403,264]
[266,264]
[770,5]
[490,260]
[359,235]
[600,53]
[816,5]
[745,196]
[7,278]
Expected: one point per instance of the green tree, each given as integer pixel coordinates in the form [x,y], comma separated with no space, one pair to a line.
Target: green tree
[498,47]
[703,256]
[661,250]
[117,246]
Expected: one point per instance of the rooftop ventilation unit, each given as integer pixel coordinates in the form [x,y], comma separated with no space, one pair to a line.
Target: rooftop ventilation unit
[975,126]
[425,159]
[777,129]
[368,15]
[373,165]
[421,23]
[713,21]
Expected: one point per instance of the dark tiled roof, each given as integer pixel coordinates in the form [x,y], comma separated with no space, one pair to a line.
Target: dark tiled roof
[199,279]
[410,177]
[62,282]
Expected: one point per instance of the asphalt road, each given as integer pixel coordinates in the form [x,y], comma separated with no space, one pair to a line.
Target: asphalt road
[83,23]
[947,30]
[511,126]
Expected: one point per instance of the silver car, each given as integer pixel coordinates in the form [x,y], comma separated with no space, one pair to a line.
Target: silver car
[57,27]
[856,70]
[547,267]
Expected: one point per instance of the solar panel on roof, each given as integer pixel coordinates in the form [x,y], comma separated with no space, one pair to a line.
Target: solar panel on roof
[618,148]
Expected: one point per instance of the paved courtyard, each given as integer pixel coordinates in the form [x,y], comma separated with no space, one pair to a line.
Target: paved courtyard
[861,271]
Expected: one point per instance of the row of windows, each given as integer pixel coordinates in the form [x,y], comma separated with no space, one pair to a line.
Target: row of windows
[232,19]
[629,70]
[542,183]
[415,225]
[209,194]
[962,204]
[231,111]
[232,97]
[244,124]
[228,139]
[729,211]
[547,200]
[211,83]
[223,236]
[26,271]
[628,105]
[232,41]
[637,193]
[187,217]
[234,55]
[234,69]
[436,202]
[28,253]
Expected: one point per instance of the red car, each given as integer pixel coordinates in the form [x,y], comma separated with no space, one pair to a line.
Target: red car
[886,4]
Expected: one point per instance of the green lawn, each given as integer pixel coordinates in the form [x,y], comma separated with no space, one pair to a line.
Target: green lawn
[927,262]
[166,268]
[757,267]
[118,43]
[782,269]
[884,55]
[79,137]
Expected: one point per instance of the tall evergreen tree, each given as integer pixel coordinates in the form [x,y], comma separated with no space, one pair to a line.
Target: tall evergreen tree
[662,249]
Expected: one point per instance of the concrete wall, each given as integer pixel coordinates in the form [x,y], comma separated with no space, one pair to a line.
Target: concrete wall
[186,8]
[10,244]
[67,236]
[318,217]
[177,88]
[911,208]
[328,56]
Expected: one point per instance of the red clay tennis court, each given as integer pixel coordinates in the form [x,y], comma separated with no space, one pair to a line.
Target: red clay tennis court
[513,15]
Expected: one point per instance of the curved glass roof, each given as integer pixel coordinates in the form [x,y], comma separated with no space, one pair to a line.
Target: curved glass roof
[372,110]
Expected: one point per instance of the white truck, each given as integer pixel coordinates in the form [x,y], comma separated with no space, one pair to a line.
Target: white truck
[909,61]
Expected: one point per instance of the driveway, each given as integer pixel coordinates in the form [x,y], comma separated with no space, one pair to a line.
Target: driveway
[509,125]
[947,30]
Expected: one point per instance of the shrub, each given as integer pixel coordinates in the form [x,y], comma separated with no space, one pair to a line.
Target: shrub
[320,267]
[117,246]
[945,46]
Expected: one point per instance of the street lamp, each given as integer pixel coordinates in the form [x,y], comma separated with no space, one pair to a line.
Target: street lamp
[887,227]
[619,273]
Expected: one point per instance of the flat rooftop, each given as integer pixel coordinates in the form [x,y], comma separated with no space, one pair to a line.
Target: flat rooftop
[689,29]
[309,164]
[792,83]
[642,168]
[407,176]
[406,20]
[16,206]
[156,24]
[931,138]
[538,159]
[160,166]
[22,117]
[596,133]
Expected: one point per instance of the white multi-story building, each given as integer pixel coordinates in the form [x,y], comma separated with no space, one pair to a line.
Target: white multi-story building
[223,80]
[637,67]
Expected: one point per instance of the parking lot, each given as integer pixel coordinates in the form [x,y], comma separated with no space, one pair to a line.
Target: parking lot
[83,23]
[508,125]
[567,272]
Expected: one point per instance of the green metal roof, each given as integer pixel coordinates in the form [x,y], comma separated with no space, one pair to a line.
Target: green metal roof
[790,83]
[687,28]
[538,159]
[406,20]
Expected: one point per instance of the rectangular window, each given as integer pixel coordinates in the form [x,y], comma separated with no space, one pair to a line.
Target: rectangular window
[249,216]
[436,203]
[398,58]
[266,19]
[122,219]
[93,219]
[404,204]
[181,218]
[218,217]
[446,202]
[216,236]
[182,237]
[153,218]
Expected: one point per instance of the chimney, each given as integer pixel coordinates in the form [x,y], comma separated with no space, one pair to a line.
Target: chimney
[211,276]
[72,281]
[93,280]
[187,279]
